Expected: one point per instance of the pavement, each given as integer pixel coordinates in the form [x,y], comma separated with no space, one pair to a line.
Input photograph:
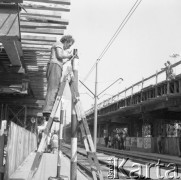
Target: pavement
[47,168]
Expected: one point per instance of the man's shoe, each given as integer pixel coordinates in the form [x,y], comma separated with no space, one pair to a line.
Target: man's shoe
[46,115]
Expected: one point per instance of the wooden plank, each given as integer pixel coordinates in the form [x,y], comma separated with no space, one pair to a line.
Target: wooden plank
[24,24]
[31,18]
[42,13]
[37,46]
[29,53]
[11,1]
[35,57]
[38,38]
[27,5]
[38,62]
[63,2]
[43,31]
[36,49]
[36,42]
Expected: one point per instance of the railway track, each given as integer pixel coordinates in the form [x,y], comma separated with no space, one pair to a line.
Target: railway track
[143,158]
[112,162]
[82,162]
[107,168]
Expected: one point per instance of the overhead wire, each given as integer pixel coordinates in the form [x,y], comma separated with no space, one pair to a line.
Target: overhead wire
[121,26]
[89,72]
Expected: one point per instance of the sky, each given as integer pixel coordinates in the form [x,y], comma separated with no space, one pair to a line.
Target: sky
[142,47]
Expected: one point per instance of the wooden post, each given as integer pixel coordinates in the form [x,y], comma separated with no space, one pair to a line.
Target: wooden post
[142,89]
[168,86]
[125,98]
[156,88]
[1,115]
[175,87]
[179,83]
[25,116]
[74,124]
[131,95]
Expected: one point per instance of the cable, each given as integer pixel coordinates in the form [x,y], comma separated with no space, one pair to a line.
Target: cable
[89,73]
[121,26]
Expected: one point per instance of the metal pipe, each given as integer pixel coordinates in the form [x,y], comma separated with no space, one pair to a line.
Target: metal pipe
[95,110]
[109,86]
[60,139]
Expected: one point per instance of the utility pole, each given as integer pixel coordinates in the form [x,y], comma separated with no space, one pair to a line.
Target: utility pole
[96,96]
[95,110]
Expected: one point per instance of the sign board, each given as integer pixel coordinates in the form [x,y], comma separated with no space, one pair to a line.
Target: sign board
[147,143]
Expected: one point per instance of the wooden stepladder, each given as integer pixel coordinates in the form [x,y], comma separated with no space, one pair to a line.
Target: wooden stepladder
[89,146]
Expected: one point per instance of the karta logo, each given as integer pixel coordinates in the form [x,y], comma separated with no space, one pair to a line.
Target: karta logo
[119,168]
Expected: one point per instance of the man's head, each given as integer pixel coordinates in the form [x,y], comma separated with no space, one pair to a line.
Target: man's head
[168,62]
[67,41]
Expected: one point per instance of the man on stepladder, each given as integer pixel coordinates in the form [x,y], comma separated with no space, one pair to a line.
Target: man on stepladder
[59,56]
[55,89]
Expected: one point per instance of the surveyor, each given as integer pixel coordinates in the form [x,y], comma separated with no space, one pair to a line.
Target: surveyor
[59,56]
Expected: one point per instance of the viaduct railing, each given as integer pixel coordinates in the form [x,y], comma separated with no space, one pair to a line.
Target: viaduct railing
[152,87]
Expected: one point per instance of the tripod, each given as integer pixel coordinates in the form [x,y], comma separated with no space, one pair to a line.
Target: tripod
[82,122]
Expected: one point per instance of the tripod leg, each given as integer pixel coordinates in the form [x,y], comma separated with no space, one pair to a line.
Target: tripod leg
[42,145]
[60,142]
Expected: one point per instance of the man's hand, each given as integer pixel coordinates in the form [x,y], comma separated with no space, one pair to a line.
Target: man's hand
[70,56]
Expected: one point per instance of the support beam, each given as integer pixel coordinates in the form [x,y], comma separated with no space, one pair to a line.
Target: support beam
[22,101]
[10,34]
